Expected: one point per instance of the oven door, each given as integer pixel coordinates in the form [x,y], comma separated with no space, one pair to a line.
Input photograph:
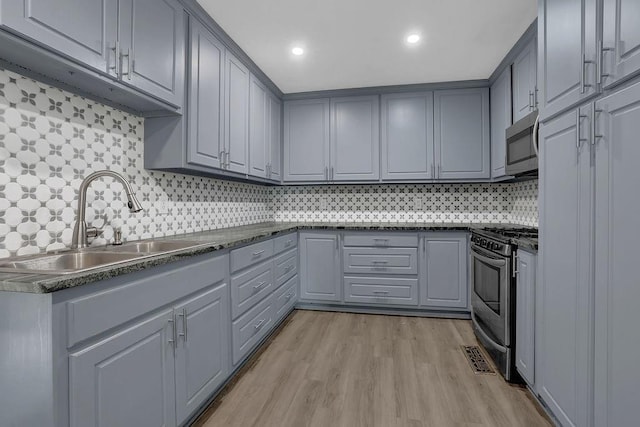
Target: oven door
[490,280]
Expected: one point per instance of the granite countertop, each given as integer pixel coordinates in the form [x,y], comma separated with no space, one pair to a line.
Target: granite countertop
[211,241]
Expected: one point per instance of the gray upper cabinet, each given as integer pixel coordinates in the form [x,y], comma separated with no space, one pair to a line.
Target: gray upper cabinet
[443,282]
[108,379]
[206,98]
[236,115]
[407,136]
[617,337]
[355,134]
[620,54]
[525,314]
[567,38]
[258,129]
[202,356]
[501,111]
[320,270]
[564,291]
[306,140]
[84,30]
[525,82]
[152,42]
[461,129]
[274,149]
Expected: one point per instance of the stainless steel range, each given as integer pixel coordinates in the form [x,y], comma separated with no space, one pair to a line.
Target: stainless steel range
[493,298]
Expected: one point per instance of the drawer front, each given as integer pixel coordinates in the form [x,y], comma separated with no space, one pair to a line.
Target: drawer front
[286,297]
[250,255]
[381,261]
[250,287]
[381,240]
[286,242]
[381,290]
[248,330]
[98,312]
[285,267]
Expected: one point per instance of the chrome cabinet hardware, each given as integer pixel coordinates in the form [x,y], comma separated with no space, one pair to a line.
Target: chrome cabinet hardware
[128,56]
[381,242]
[258,253]
[531,100]
[288,243]
[535,97]
[259,285]
[259,324]
[174,339]
[583,75]
[288,268]
[116,60]
[379,262]
[326,173]
[594,124]
[600,61]
[381,292]
[183,315]
[514,262]
[579,139]
[288,296]
[331,173]
[439,170]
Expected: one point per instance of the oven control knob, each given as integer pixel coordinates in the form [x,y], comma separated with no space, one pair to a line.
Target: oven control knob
[497,247]
[484,242]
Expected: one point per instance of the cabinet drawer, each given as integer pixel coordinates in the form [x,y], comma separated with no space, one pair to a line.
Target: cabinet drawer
[250,287]
[98,312]
[249,255]
[285,242]
[381,261]
[285,267]
[248,330]
[377,290]
[382,240]
[286,297]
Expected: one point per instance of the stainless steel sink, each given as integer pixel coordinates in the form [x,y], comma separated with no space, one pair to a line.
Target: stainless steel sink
[68,262]
[154,247]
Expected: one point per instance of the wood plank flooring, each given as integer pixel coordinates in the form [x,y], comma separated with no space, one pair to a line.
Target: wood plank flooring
[340,369]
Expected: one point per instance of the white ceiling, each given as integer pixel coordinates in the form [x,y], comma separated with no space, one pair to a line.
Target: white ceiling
[360,43]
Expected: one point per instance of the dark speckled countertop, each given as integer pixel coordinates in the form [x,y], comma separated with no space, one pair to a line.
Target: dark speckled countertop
[210,241]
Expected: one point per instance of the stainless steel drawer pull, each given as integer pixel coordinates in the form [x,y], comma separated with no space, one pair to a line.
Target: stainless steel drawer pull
[380,262]
[381,292]
[259,285]
[381,240]
[288,243]
[259,324]
[288,269]
[174,339]
[258,253]
[184,324]
[288,296]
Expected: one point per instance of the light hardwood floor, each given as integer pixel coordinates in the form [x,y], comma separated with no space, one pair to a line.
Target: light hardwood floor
[338,369]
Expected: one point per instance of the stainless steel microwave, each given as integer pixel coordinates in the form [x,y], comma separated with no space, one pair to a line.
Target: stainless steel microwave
[522,147]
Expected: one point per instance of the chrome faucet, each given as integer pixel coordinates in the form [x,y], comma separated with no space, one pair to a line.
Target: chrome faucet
[81,232]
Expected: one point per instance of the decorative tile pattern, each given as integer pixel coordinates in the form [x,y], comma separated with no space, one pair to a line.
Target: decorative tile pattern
[50,139]
[524,203]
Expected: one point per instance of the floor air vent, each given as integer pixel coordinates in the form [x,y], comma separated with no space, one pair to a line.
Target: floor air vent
[476,359]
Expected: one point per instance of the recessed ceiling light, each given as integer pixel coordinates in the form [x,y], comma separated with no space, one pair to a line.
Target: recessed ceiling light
[297,51]
[413,38]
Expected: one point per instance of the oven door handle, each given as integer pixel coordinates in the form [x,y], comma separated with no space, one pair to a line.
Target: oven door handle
[486,338]
[491,261]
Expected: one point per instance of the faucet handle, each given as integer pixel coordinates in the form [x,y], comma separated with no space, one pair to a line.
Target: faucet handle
[93,232]
[117,237]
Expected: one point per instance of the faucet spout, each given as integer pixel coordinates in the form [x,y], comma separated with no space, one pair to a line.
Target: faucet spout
[80,236]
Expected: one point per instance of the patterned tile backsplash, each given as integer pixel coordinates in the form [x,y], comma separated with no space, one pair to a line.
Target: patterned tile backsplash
[50,139]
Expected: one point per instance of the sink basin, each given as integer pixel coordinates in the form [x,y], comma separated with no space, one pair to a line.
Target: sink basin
[66,263]
[152,246]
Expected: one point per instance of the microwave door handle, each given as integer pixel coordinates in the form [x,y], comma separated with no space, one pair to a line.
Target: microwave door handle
[491,261]
[536,125]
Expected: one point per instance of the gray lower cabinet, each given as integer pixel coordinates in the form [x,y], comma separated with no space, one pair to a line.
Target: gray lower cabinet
[355,134]
[259,137]
[407,136]
[249,329]
[501,113]
[444,273]
[390,290]
[525,314]
[461,134]
[525,82]
[567,54]
[617,337]
[84,30]
[306,140]
[620,52]
[563,331]
[236,123]
[205,133]
[320,269]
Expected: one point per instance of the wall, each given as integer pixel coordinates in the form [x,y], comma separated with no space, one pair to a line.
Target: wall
[50,139]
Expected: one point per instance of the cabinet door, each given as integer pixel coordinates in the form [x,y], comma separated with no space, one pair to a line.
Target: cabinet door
[126,379]
[236,114]
[617,337]
[563,299]
[444,279]
[320,270]
[525,315]
[462,141]
[355,139]
[524,82]
[206,98]
[566,54]
[84,30]
[152,41]
[621,40]
[306,140]
[275,138]
[500,120]
[407,136]
[202,357]
[258,129]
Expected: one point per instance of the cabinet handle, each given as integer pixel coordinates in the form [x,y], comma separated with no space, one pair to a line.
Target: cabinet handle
[326,173]
[433,171]
[174,338]
[530,100]
[439,170]
[514,265]
[184,324]
[583,76]
[380,262]
[535,97]
[381,292]
[116,60]
[128,56]
[288,296]
[259,324]
[385,242]
[600,61]
[288,268]
[579,140]
[594,125]
[259,285]
[228,162]
[288,243]
[258,253]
